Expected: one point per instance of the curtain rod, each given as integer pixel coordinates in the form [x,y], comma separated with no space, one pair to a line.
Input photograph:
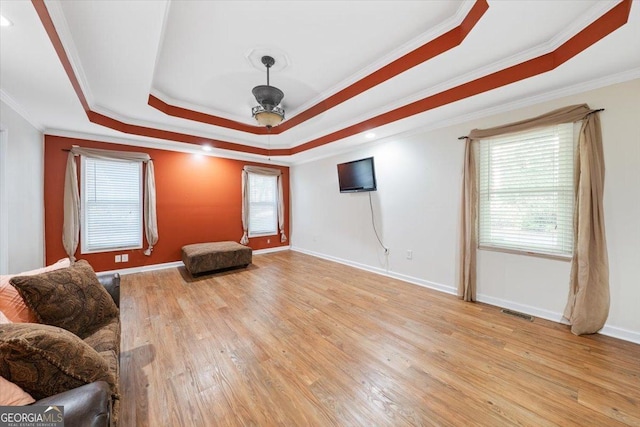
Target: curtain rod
[68,151]
[588,114]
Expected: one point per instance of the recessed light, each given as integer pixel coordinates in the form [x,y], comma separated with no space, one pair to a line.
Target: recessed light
[4,22]
[370,135]
[207,148]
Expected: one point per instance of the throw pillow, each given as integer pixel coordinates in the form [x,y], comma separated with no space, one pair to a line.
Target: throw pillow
[71,298]
[45,360]
[12,395]
[12,304]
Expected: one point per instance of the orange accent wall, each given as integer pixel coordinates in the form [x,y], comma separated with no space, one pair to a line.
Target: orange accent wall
[198,200]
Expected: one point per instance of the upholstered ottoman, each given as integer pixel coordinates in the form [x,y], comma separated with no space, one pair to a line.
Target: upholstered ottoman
[202,257]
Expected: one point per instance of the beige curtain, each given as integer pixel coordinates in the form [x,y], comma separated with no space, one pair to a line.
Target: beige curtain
[71,200]
[588,304]
[468,229]
[71,225]
[245,200]
[150,217]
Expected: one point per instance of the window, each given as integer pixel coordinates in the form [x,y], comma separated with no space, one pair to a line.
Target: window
[263,205]
[526,193]
[111,195]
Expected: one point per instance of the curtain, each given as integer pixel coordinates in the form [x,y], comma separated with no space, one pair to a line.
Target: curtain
[245,200]
[71,200]
[588,303]
[71,225]
[468,229]
[150,217]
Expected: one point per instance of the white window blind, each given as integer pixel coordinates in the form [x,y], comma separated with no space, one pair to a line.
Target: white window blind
[111,205]
[263,205]
[525,192]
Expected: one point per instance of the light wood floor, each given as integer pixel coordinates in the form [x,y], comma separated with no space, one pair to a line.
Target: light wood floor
[298,341]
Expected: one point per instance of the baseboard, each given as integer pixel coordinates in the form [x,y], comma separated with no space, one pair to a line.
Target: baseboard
[523,308]
[620,333]
[380,271]
[143,268]
[152,267]
[611,331]
[270,250]
[608,330]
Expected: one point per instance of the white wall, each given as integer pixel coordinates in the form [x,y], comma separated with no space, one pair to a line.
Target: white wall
[417,208]
[22,176]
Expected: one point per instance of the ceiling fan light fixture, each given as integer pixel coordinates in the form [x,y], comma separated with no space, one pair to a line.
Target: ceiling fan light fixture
[269,97]
[268,118]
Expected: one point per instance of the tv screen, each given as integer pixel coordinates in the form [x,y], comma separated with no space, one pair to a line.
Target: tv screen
[358,175]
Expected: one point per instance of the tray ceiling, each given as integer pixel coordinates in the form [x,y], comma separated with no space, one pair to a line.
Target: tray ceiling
[175,74]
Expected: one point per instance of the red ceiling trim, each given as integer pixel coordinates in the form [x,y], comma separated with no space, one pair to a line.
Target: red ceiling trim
[101,119]
[427,51]
[597,30]
[197,116]
[600,28]
[47,23]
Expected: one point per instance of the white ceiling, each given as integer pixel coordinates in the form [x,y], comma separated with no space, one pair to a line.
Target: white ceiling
[205,56]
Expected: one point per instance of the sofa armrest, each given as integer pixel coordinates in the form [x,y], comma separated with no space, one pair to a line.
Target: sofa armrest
[85,406]
[111,282]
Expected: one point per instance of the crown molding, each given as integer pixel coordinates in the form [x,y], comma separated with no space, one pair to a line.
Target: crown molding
[578,25]
[578,88]
[18,108]
[158,144]
[62,28]
[391,56]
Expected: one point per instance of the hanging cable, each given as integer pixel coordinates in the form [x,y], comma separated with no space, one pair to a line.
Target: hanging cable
[373,222]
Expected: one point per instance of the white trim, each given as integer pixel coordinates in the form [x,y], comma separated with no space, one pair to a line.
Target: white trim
[18,108]
[488,112]
[163,144]
[620,333]
[143,268]
[608,330]
[431,34]
[409,279]
[271,250]
[176,264]
[64,32]
[4,202]
[523,308]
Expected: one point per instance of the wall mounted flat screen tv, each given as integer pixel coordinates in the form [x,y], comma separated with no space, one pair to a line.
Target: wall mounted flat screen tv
[358,175]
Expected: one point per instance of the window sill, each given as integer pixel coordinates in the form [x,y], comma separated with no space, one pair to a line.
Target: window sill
[556,257]
[105,250]
[275,233]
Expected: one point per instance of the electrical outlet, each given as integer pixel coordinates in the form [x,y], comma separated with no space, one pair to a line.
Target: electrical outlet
[409,254]
[118,258]
[125,257]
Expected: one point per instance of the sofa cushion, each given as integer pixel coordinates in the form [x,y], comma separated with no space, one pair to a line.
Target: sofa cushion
[12,304]
[71,298]
[45,360]
[107,338]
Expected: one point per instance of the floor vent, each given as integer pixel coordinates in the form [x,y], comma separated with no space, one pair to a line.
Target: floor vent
[517,314]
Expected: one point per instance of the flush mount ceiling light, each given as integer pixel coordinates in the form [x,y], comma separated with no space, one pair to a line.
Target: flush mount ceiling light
[269,97]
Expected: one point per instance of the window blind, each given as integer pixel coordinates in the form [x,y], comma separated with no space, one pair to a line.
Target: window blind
[525,193]
[263,205]
[111,205]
